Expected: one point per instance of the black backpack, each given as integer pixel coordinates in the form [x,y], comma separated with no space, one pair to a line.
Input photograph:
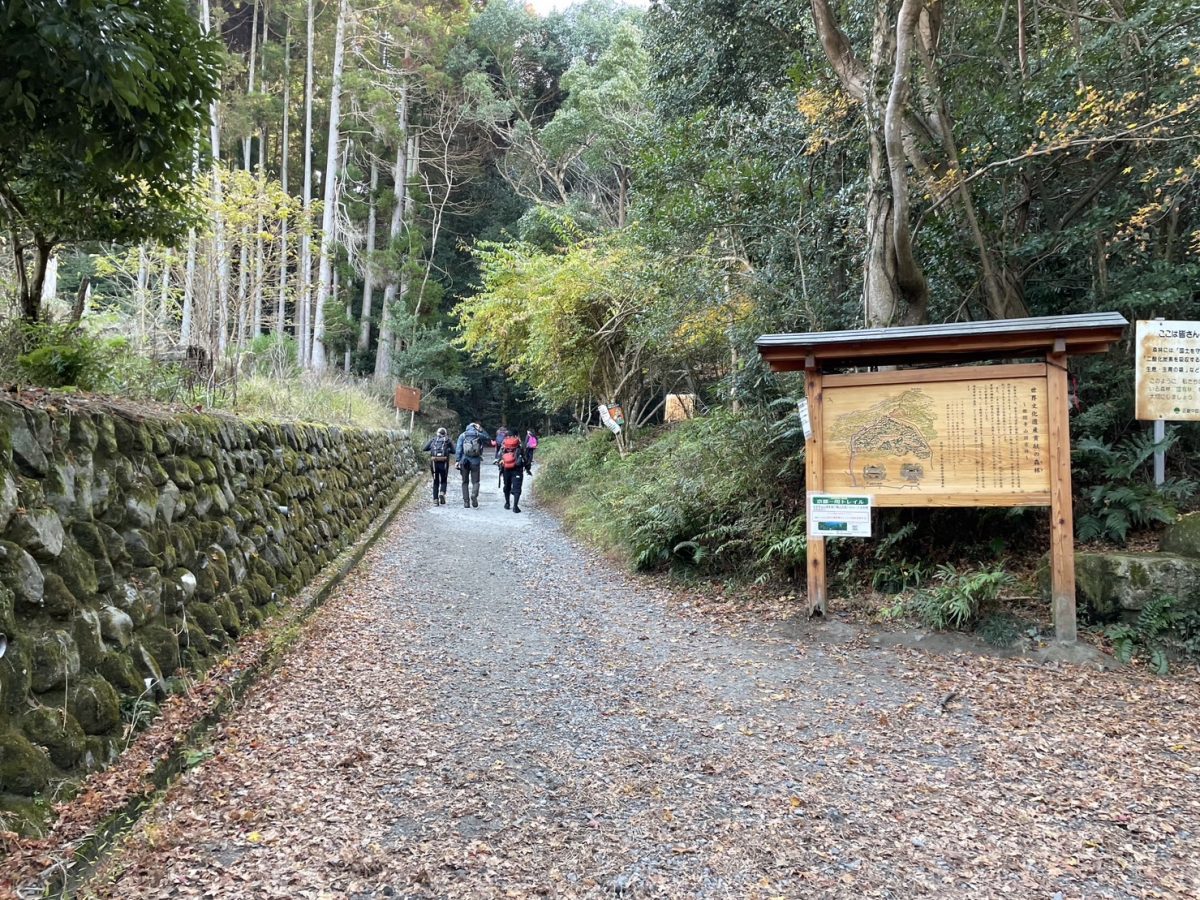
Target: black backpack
[439,450]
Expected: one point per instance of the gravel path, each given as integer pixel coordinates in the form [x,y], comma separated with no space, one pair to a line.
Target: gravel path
[487,709]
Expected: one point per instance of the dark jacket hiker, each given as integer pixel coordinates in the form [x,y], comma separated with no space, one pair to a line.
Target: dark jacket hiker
[440,448]
[468,458]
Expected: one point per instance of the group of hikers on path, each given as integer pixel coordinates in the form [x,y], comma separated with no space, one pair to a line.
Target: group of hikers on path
[513,457]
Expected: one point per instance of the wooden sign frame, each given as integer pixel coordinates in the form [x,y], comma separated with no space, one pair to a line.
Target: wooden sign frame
[408,399]
[1052,339]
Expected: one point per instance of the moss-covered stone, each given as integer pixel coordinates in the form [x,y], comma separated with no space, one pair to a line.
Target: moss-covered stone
[83,433]
[28,816]
[1182,538]
[20,573]
[78,570]
[8,499]
[143,548]
[163,645]
[15,677]
[119,671]
[1121,584]
[102,749]
[24,768]
[227,614]
[95,704]
[57,598]
[53,659]
[88,634]
[141,504]
[57,731]
[8,606]
[195,643]
[39,531]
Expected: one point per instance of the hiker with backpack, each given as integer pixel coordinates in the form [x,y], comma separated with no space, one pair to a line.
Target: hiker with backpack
[513,465]
[468,459]
[501,434]
[531,443]
[439,449]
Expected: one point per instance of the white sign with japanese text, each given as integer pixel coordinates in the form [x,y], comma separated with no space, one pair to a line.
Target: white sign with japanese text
[1168,370]
[839,515]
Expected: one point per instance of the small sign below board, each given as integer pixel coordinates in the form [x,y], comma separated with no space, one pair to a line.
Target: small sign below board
[1168,370]
[839,515]
[408,398]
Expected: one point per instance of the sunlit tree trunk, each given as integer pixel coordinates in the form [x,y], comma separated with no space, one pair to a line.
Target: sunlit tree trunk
[281,300]
[221,301]
[164,301]
[189,290]
[306,237]
[259,249]
[329,214]
[383,350]
[364,331]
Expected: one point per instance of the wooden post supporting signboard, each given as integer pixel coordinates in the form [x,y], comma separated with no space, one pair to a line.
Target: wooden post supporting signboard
[1062,528]
[814,479]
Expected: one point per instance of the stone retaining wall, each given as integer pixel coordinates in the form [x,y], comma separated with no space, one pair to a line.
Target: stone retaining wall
[132,548]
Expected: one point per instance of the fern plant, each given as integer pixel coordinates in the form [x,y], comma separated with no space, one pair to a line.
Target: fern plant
[1123,498]
[957,599]
[1162,623]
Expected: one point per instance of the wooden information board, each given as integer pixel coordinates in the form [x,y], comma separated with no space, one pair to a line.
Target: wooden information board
[965,435]
[969,436]
[408,399]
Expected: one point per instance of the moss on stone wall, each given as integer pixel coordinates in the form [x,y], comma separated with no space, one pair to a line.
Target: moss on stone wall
[130,548]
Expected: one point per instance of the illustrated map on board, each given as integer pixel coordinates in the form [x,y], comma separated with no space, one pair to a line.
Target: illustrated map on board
[948,440]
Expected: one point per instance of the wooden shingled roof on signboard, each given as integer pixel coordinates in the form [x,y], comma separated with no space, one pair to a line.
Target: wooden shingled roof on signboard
[952,342]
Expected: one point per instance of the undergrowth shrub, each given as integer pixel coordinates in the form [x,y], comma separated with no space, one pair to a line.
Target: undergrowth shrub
[310,398]
[723,493]
[958,597]
[1163,626]
[74,355]
[1121,494]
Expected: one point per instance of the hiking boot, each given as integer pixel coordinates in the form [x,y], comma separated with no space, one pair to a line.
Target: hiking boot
[442,500]
[475,502]
[466,504]
[506,504]
[516,508]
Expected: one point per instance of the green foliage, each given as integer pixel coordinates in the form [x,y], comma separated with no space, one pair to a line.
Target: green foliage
[76,356]
[708,495]
[956,600]
[100,105]
[1123,496]
[330,398]
[1162,625]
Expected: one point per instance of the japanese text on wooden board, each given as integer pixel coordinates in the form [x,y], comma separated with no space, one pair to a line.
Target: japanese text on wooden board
[1168,370]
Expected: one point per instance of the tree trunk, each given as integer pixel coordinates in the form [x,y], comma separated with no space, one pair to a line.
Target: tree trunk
[329,218]
[364,331]
[281,300]
[260,262]
[895,291]
[189,290]
[306,237]
[218,194]
[141,294]
[164,301]
[383,351]
[250,83]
